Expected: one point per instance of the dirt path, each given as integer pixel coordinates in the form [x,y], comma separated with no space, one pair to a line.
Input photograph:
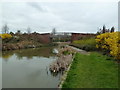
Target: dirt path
[78,50]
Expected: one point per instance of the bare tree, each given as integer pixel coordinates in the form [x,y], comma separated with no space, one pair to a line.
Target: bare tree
[28,30]
[54,31]
[5,29]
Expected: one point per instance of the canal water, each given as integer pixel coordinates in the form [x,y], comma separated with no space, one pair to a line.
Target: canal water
[29,68]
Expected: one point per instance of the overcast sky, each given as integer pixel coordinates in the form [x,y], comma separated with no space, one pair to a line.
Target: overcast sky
[41,17]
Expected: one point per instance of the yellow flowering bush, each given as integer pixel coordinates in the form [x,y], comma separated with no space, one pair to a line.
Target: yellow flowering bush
[109,42]
[5,35]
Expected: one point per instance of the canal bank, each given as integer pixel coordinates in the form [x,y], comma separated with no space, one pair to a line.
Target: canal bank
[23,45]
[64,76]
[73,50]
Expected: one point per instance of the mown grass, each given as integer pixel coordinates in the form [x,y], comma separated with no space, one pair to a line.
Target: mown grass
[92,71]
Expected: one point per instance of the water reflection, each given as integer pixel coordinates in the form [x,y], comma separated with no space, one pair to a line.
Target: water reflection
[56,73]
[29,68]
[29,53]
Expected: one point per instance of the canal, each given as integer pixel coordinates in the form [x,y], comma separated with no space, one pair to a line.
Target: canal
[29,68]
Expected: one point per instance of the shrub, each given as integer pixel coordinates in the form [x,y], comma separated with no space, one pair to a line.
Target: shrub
[66,52]
[110,42]
[87,44]
[5,35]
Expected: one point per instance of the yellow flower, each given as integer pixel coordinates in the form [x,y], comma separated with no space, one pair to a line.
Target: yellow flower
[97,46]
[111,42]
[5,35]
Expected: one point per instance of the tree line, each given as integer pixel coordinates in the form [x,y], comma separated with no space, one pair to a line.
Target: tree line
[104,30]
[5,29]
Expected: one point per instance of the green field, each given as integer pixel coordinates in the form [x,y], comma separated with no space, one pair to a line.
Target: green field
[92,71]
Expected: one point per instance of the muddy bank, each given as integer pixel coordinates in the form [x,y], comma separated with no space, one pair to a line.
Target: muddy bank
[20,45]
[64,61]
[65,57]
[23,45]
[61,64]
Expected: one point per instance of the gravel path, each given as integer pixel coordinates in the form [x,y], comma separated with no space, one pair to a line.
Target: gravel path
[78,50]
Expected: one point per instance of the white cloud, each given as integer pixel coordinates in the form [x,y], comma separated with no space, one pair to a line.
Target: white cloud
[65,16]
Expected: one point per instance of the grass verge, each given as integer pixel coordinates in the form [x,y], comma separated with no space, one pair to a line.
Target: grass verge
[88,44]
[92,71]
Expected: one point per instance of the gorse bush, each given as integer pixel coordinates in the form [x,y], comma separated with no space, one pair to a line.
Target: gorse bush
[110,42]
[5,35]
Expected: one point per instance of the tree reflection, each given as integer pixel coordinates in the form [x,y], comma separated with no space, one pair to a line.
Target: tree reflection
[29,53]
[6,55]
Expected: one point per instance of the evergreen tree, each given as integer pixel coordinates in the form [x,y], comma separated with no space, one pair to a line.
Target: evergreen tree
[112,29]
[104,29]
